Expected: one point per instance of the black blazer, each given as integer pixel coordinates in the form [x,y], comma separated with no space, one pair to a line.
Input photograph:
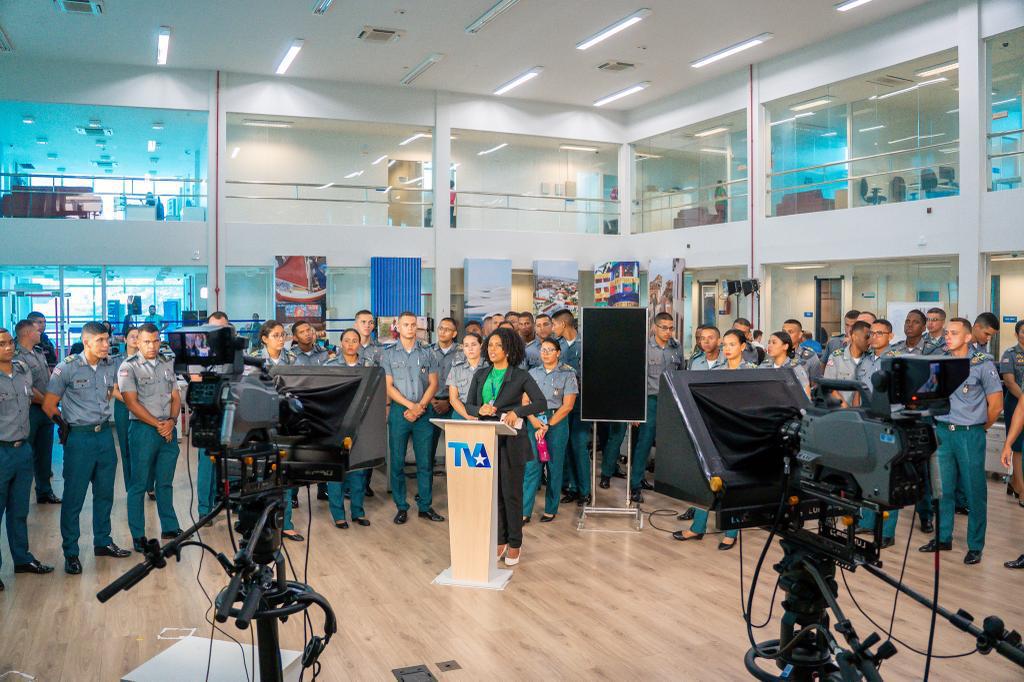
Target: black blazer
[510,399]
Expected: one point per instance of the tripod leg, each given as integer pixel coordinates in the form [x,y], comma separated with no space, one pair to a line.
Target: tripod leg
[269,650]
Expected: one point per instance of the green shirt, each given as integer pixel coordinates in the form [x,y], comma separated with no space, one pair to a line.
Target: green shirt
[492,384]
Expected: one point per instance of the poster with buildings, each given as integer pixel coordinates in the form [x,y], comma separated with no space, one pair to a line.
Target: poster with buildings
[488,287]
[300,288]
[556,286]
[617,284]
[661,286]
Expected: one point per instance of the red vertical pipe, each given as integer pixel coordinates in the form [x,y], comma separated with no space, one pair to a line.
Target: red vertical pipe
[216,189]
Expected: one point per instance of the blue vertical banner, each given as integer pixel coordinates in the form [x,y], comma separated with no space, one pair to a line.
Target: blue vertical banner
[395,285]
[488,287]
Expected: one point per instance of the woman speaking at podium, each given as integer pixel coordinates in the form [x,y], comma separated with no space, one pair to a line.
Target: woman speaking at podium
[497,393]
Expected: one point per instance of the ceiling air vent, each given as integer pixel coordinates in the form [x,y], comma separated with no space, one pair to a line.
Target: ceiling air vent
[891,81]
[5,42]
[90,131]
[379,36]
[615,66]
[94,7]
[105,164]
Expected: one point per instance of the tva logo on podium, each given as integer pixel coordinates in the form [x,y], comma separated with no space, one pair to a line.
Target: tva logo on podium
[474,457]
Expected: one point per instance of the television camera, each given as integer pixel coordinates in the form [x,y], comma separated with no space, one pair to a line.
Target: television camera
[749,446]
[267,429]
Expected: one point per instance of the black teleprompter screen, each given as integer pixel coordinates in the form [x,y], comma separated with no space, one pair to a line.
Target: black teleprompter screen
[613,364]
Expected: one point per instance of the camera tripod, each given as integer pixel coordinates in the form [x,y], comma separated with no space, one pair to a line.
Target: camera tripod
[258,580]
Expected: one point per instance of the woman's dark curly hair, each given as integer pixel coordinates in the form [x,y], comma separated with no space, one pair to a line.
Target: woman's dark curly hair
[511,343]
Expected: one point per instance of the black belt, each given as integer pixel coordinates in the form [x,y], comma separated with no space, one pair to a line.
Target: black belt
[11,443]
[95,428]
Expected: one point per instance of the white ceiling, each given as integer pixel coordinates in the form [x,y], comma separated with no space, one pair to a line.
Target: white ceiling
[250,36]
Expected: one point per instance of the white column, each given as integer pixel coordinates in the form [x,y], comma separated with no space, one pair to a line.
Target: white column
[626,166]
[443,236]
[758,154]
[973,100]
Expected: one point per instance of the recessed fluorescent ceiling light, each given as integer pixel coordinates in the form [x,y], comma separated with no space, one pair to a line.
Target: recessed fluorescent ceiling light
[949,150]
[1005,101]
[519,80]
[810,266]
[392,162]
[353,174]
[576,148]
[418,70]
[810,104]
[903,139]
[731,50]
[163,43]
[157,125]
[1000,259]
[28,120]
[936,70]
[321,7]
[415,137]
[329,184]
[850,4]
[922,84]
[714,150]
[289,56]
[953,111]
[379,159]
[234,152]
[620,25]
[490,15]
[493,149]
[870,128]
[265,123]
[641,156]
[929,137]
[413,181]
[831,133]
[633,89]
[41,140]
[151,146]
[385,189]
[791,118]
[711,131]
[52,155]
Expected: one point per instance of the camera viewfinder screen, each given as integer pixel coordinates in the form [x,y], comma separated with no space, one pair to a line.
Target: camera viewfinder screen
[930,386]
[196,346]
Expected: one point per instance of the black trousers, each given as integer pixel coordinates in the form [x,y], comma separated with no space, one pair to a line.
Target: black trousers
[510,499]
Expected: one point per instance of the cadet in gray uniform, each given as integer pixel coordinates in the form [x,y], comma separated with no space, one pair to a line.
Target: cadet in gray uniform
[305,348]
[913,330]
[805,357]
[843,362]
[461,375]
[1011,368]
[40,427]
[751,353]
[973,407]
[935,338]
[446,353]
[150,391]
[840,340]
[411,382]
[83,385]
[710,354]
[780,355]
[16,394]
[369,347]
[870,364]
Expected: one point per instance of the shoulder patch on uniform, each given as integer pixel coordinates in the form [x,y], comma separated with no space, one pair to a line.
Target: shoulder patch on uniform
[71,358]
[892,353]
[838,352]
[566,366]
[20,365]
[980,357]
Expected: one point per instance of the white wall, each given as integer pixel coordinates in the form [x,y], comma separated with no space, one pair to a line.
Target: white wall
[33,241]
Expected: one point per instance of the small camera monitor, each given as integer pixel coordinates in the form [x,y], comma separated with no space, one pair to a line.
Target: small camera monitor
[920,382]
[198,349]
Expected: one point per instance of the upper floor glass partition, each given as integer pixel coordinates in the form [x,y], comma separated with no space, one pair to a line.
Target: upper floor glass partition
[110,163]
[542,184]
[695,175]
[1006,92]
[327,172]
[883,137]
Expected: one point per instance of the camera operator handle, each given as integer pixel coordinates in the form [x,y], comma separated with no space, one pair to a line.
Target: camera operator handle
[228,597]
[125,582]
[249,606]
[840,384]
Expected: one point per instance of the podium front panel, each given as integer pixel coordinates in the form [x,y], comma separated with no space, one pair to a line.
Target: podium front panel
[471,463]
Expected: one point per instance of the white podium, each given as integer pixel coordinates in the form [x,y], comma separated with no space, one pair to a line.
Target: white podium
[186,660]
[471,465]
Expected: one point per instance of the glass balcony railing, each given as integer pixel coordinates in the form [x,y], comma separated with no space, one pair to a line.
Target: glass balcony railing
[332,203]
[1006,159]
[929,172]
[534,213]
[102,197]
[691,207]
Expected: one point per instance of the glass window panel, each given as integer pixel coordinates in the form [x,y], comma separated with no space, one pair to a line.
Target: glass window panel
[1006,92]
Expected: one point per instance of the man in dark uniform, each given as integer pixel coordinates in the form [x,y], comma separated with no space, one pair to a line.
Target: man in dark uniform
[577,467]
[45,344]
[40,435]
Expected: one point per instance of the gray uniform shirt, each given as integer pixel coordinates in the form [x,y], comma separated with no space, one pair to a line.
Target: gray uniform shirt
[934,346]
[316,356]
[743,365]
[15,401]
[1012,362]
[556,384]
[339,361]
[372,351]
[533,354]
[84,391]
[36,363]
[968,405]
[902,348]
[285,358]
[809,360]
[842,365]
[153,381]
[410,370]
[461,376]
[661,360]
[799,372]
[835,343]
[701,362]
[444,359]
[870,364]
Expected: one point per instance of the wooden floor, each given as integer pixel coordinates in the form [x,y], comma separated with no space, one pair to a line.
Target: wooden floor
[581,605]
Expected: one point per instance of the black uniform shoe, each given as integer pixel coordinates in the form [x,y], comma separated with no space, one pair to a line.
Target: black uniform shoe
[2,588]
[606,482]
[678,535]
[972,557]
[548,519]
[321,492]
[170,535]
[569,496]
[636,496]
[887,542]
[293,536]
[963,511]
[927,526]
[48,498]
[139,545]
[726,546]
[362,521]
[72,566]
[111,550]
[644,485]
[33,567]
[295,502]
[686,515]
[342,525]
[582,500]
[431,514]
[402,516]
[931,546]
[1018,563]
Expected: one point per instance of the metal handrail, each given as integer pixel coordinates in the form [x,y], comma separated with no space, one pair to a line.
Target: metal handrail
[540,210]
[1001,133]
[319,185]
[703,187]
[338,201]
[850,178]
[698,204]
[1004,154]
[532,196]
[121,178]
[866,158]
